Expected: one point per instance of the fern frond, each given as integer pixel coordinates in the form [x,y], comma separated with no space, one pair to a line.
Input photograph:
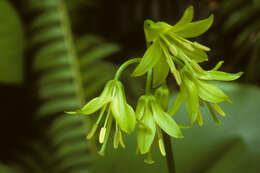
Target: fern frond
[64,78]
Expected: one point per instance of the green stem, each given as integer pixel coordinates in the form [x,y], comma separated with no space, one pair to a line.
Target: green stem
[148,82]
[169,153]
[124,66]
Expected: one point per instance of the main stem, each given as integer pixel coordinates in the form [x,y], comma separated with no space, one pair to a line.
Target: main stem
[169,153]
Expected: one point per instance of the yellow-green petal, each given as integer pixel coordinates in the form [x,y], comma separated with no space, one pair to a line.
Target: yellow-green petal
[177,103]
[160,71]
[149,60]
[195,29]
[210,92]
[162,96]
[219,75]
[192,98]
[140,108]
[170,63]
[96,103]
[186,18]
[145,137]
[122,112]
[165,121]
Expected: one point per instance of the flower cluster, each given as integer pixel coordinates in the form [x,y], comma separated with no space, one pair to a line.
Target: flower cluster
[168,50]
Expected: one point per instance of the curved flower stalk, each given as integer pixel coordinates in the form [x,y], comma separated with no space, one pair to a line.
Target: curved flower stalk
[112,100]
[152,119]
[196,90]
[169,46]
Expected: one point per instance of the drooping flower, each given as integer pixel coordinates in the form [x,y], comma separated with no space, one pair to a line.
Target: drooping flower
[168,45]
[197,90]
[112,100]
[152,119]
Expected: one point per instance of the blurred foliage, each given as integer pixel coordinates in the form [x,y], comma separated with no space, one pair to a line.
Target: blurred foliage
[11,44]
[239,25]
[60,53]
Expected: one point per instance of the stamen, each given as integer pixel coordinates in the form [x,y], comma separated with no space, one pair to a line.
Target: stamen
[213,114]
[228,100]
[197,67]
[137,151]
[173,69]
[103,129]
[219,110]
[199,119]
[173,50]
[160,142]
[102,135]
[116,137]
[219,64]
[103,147]
[95,126]
[200,46]
[149,159]
[121,141]
[201,102]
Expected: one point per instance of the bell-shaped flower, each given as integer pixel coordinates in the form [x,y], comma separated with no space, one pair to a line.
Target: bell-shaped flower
[112,100]
[169,47]
[152,119]
[196,90]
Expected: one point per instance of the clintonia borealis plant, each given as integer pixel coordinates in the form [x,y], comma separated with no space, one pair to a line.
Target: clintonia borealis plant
[169,50]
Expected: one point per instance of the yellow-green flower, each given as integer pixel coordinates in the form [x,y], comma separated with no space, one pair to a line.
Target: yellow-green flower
[152,118]
[167,46]
[196,90]
[112,100]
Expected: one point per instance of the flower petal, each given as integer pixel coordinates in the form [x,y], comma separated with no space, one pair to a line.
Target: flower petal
[186,47]
[195,29]
[170,63]
[219,75]
[192,98]
[211,93]
[149,60]
[98,102]
[140,108]
[218,65]
[186,18]
[160,71]
[177,103]
[162,96]
[122,112]
[145,137]
[165,121]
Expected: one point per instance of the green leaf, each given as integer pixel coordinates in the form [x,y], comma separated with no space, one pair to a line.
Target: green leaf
[195,29]
[149,60]
[11,45]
